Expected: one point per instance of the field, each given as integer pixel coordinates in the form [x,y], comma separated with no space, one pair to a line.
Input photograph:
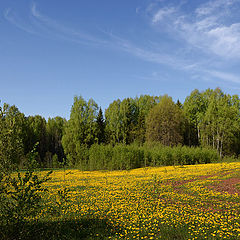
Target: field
[175,202]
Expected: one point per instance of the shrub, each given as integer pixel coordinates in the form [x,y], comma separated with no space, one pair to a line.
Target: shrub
[20,199]
[121,157]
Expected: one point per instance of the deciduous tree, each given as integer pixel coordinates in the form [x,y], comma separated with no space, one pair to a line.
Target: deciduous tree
[165,123]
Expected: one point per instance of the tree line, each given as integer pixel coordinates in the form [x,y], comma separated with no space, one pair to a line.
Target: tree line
[206,120]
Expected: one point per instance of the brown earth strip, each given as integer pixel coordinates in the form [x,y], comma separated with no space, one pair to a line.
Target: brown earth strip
[227,185]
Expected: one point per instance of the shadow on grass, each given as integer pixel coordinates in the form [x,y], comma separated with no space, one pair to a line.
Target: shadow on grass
[56,230]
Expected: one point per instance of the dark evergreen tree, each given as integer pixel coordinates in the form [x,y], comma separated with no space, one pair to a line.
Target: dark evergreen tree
[37,134]
[179,104]
[54,129]
[100,127]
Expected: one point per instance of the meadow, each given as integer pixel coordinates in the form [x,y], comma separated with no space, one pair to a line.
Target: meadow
[173,202]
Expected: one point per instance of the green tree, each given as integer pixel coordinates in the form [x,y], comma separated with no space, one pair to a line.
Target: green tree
[234,144]
[54,128]
[20,199]
[165,123]
[100,127]
[194,108]
[11,136]
[126,120]
[80,131]
[144,104]
[37,133]
[221,121]
[213,119]
[113,125]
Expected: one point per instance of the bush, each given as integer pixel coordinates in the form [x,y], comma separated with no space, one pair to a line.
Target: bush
[100,157]
[124,157]
[156,154]
[20,200]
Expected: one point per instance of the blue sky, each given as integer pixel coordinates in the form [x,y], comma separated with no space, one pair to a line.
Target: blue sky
[51,51]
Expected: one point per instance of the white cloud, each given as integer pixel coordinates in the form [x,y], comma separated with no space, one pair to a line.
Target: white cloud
[137,10]
[151,55]
[48,27]
[41,25]
[11,17]
[162,13]
[34,11]
[207,28]
[229,77]
[225,40]
[65,32]
[213,6]
[206,23]
[200,30]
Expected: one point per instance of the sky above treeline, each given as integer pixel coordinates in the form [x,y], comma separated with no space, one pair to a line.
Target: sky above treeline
[51,51]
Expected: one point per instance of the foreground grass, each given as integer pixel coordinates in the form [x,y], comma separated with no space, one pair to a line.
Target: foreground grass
[179,202]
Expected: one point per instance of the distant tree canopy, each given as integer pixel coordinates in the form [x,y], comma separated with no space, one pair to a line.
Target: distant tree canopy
[126,119]
[11,136]
[165,123]
[213,119]
[81,130]
[209,119]
[54,131]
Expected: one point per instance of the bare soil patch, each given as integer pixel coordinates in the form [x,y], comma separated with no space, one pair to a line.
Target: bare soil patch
[227,185]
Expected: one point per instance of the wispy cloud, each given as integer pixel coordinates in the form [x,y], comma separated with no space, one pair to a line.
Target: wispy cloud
[163,13]
[229,77]
[11,17]
[210,28]
[225,40]
[152,55]
[110,40]
[41,25]
[211,7]
[204,29]
[153,76]
[48,27]
[65,32]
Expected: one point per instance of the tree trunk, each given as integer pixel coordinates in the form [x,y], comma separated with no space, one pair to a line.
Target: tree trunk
[213,143]
[221,147]
[198,131]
